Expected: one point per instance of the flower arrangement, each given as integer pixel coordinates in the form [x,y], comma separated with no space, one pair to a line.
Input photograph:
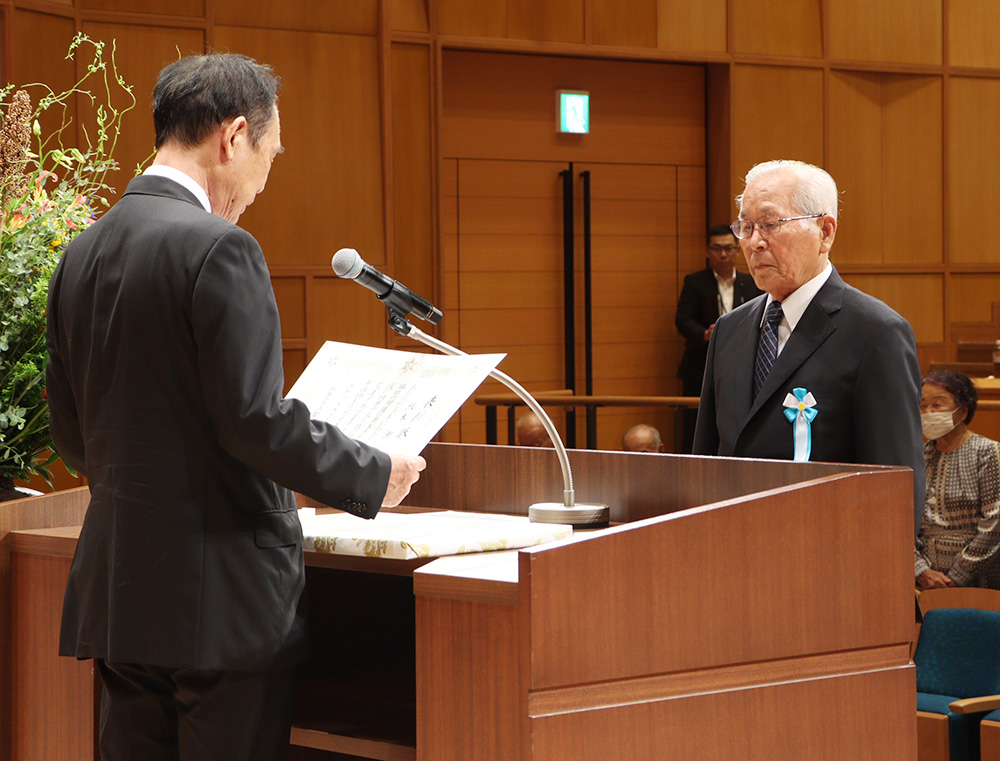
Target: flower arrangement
[46,199]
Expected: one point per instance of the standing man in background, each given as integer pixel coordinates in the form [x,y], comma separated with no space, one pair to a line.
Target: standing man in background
[815,370]
[706,296]
[165,389]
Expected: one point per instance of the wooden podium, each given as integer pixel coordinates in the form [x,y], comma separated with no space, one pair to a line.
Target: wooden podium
[742,609]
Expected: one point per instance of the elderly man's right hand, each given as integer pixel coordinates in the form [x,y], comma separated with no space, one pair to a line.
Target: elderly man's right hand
[405,472]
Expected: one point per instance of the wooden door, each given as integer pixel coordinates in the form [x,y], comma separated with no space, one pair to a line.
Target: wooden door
[502,221]
[508,223]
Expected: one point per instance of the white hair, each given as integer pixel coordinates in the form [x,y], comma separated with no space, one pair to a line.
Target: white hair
[815,191]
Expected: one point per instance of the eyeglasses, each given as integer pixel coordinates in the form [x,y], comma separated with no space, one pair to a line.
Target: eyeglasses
[768,225]
[728,249]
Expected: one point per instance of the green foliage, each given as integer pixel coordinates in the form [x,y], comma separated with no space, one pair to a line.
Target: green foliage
[48,197]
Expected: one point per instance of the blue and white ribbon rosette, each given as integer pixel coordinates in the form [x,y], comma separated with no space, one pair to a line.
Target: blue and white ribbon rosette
[800,409]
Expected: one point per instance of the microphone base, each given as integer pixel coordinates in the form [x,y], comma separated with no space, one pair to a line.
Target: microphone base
[578,516]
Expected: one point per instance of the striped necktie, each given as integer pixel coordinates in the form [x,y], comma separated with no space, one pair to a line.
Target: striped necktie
[767,349]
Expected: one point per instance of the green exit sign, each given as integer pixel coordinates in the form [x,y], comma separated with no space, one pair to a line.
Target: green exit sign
[574,111]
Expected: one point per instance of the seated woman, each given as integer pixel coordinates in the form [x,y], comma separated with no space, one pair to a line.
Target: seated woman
[959,536]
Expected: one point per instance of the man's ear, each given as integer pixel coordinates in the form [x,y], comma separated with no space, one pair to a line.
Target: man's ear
[231,133]
[828,230]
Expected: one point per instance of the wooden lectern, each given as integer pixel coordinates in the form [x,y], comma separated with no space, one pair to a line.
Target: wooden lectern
[745,609]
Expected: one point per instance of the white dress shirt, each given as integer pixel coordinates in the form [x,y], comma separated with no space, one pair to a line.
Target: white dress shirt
[726,289]
[161,170]
[795,304]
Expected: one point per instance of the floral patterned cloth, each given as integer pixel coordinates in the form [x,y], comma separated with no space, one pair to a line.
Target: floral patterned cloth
[422,535]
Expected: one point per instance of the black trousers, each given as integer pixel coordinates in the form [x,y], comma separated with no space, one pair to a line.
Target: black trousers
[156,714]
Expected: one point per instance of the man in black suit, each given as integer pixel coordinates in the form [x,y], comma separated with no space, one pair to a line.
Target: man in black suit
[165,389]
[816,369]
[706,296]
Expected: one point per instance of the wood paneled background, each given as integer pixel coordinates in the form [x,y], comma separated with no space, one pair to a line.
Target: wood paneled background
[410,124]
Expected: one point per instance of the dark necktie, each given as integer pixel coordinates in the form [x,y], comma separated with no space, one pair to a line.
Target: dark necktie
[767,349]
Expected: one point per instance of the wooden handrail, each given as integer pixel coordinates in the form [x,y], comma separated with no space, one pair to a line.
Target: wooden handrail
[562,399]
[549,399]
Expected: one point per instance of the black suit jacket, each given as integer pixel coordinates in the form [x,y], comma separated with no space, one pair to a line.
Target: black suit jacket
[165,388]
[697,308]
[859,360]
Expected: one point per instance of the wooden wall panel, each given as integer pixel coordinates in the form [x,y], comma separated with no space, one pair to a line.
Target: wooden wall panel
[718,145]
[27,66]
[545,20]
[631,25]
[449,294]
[499,290]
[686,26]
[797,134]
[973,104]
[881,133]
[344,16]
[972,33]
[408,15]
[691,256]
[918,298]
[485,18]
[890,31]
[192,8]
[325,190]
[909,101]
[655,111]
[855,161]
[778,27]
[412,187]
[293,362]
[290,293]
[448,194]
[344,311]
[970,296]
[141,51]
[871,154]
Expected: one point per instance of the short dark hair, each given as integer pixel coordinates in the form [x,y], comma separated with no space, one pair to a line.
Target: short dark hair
[196,94]
[959,386]
[719,230]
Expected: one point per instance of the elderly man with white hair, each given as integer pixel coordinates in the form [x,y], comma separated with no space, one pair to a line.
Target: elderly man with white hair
[814,369]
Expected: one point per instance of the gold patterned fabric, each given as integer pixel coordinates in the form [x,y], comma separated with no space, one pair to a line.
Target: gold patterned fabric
[422,535]
[960,531]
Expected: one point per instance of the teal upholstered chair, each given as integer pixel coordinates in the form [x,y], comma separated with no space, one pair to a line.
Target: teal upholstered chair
[958,678]
[989,737]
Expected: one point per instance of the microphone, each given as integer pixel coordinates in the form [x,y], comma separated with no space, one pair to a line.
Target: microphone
[347,263]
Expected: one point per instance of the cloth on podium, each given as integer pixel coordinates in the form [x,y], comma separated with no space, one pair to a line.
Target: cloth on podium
[406,536]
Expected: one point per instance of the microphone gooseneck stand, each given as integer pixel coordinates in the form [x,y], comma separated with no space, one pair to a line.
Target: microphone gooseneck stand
[578,515]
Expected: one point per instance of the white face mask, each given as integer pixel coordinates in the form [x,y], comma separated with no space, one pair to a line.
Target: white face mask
[937,424]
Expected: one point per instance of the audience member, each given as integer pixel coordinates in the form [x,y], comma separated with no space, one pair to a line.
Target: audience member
[706,296]
[960,533]
[830,373]
[642,438]
[531,432]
